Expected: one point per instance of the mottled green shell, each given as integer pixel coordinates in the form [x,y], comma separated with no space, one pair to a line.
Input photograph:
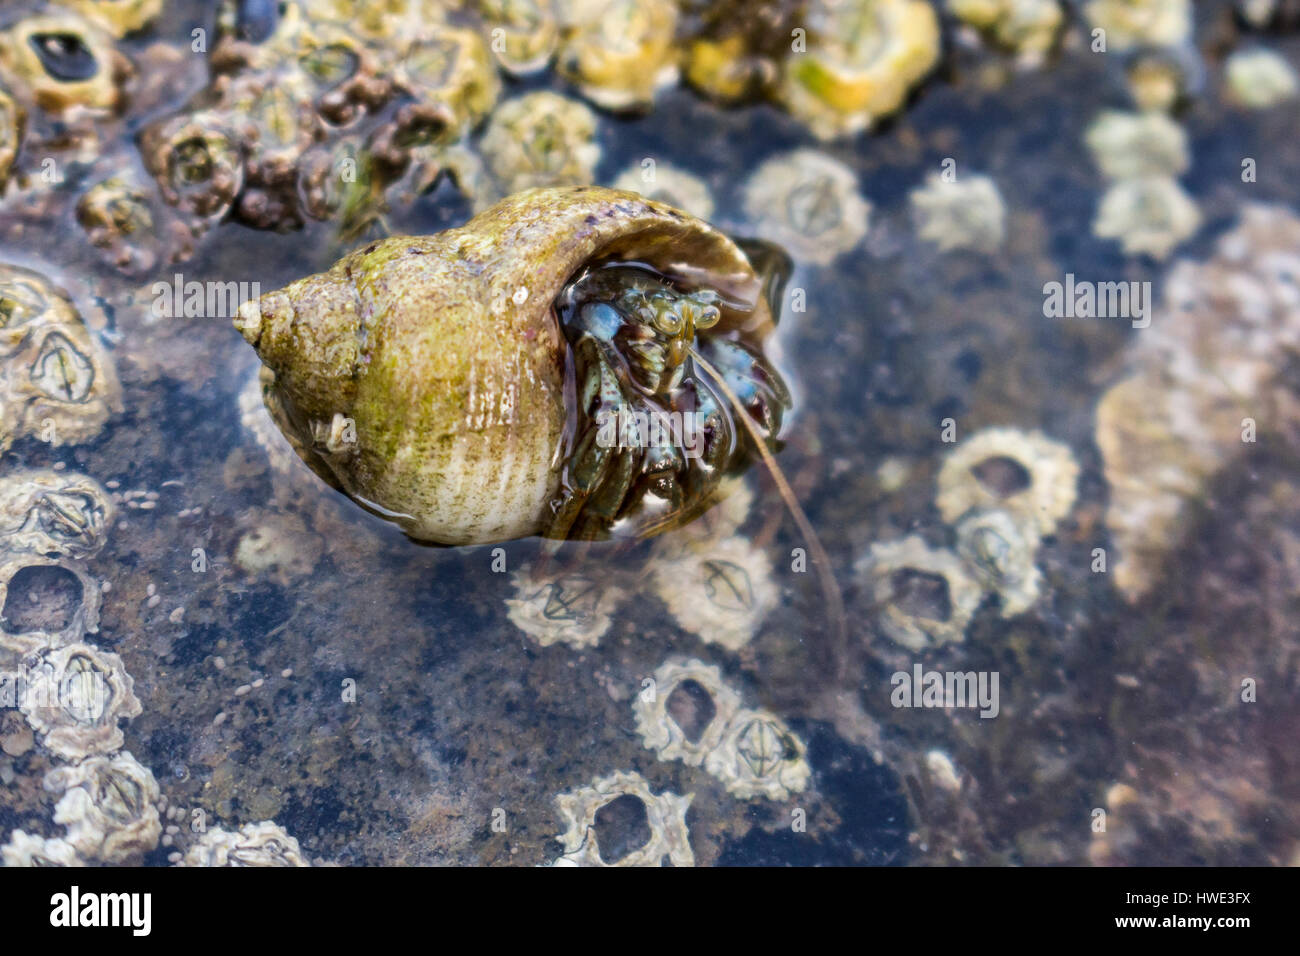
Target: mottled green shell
[445,354]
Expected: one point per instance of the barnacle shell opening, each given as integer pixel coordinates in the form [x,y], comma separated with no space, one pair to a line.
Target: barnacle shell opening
[426,376]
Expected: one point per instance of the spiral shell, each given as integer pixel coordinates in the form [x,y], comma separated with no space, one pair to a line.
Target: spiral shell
[426,376]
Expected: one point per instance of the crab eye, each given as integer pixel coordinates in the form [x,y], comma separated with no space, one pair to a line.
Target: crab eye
[708,317]
[668,321]
[64,56]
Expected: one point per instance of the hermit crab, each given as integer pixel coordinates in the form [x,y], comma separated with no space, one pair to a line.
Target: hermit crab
[575,362]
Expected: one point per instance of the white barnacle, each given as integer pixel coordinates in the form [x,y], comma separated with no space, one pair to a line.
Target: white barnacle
[966,213]
[1024,473]
[664,816]
[759,756]
[564,607]
[685,712]
[264,844]
[1125,145]
[75,696]
[720,589]
[1258,79]
[923,597]
[809,203]
[109,806]
[26,849]
[1149,215]
[1000,551]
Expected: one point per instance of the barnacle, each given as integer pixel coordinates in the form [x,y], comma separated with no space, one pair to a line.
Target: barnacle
[541,139]
[254,844]
[524,33]
[55,513]
[965,213]
[685,712]
[1000,551]
[924,597]
[759,756]
[196,160]
[1132,23]
[1127,145]
[45,602]
[862,59]
[452,70]
[109,806]
[1025,474]
[76,696]
[669,185]
[1258,79]
[809,203]
[25,849]
[1027,27]
[116,216]
[1148,215]
[56,381]
[720,590]
[445,357]
[619,52]
[658,824]
[277,545]
[59,61]
[565,607]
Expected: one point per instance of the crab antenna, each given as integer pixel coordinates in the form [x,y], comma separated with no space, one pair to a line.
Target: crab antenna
[822,561]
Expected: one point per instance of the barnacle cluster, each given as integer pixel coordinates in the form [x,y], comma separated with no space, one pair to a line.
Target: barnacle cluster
[689,713]
[652,833]
[1144,208]
[57,383]
[962,213]
[1002,490]
[1213,358]
[73,694]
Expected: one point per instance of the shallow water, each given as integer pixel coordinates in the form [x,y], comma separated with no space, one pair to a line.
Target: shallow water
[458,713]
